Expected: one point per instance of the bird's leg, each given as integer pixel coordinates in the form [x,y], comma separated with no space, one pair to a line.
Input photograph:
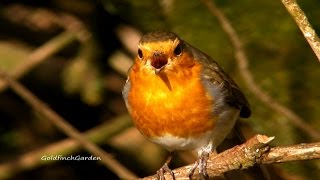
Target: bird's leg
[165,168]
[201,163]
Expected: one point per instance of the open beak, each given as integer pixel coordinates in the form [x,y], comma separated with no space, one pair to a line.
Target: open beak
[159,62]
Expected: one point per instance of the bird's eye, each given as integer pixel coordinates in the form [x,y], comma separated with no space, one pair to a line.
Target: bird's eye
[140,55]
[178,50]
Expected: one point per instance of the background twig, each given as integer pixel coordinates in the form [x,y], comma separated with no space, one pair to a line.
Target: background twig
[302,21]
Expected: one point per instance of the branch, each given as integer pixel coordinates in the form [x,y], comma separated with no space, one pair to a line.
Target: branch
[244,71]
[253,152]
[304,25]
[67,128]
[292,153]
[32,159]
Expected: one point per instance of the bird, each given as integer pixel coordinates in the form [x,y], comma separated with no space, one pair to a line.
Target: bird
[180,98]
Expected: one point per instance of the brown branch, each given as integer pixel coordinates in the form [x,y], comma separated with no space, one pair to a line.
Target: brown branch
[253,152]
[244,71]
[292,153]
[32,159]
[304,25]
[67,128]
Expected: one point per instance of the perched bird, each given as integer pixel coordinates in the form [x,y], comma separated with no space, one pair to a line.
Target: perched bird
[180,98]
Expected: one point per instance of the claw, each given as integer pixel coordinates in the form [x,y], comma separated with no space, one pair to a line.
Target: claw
[165,168]
[201,163]
[162,170]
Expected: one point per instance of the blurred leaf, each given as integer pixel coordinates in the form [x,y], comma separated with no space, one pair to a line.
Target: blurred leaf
[11,55]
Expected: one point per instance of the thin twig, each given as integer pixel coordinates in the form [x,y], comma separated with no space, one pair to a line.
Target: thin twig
[244,71]
[31,160]
[67,128]
[253,152]
[304,25]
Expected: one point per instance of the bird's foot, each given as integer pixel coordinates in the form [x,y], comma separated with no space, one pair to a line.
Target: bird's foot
[201,164]
[165,168]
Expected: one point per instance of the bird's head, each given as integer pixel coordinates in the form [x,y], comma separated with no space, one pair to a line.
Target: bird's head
[162,52]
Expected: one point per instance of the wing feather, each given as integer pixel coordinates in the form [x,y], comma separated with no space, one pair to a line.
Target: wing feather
[220,85]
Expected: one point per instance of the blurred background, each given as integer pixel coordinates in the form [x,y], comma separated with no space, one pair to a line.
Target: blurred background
[74,56]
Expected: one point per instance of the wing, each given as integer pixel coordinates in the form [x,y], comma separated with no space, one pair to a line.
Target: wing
[125,91]
[220,85]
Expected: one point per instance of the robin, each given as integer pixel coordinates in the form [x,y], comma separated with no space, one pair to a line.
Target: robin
[180,98]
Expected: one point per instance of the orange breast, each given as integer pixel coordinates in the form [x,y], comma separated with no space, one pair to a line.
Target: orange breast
[174,103]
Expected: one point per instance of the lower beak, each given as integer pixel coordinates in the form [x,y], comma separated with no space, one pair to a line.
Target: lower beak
[158,70]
